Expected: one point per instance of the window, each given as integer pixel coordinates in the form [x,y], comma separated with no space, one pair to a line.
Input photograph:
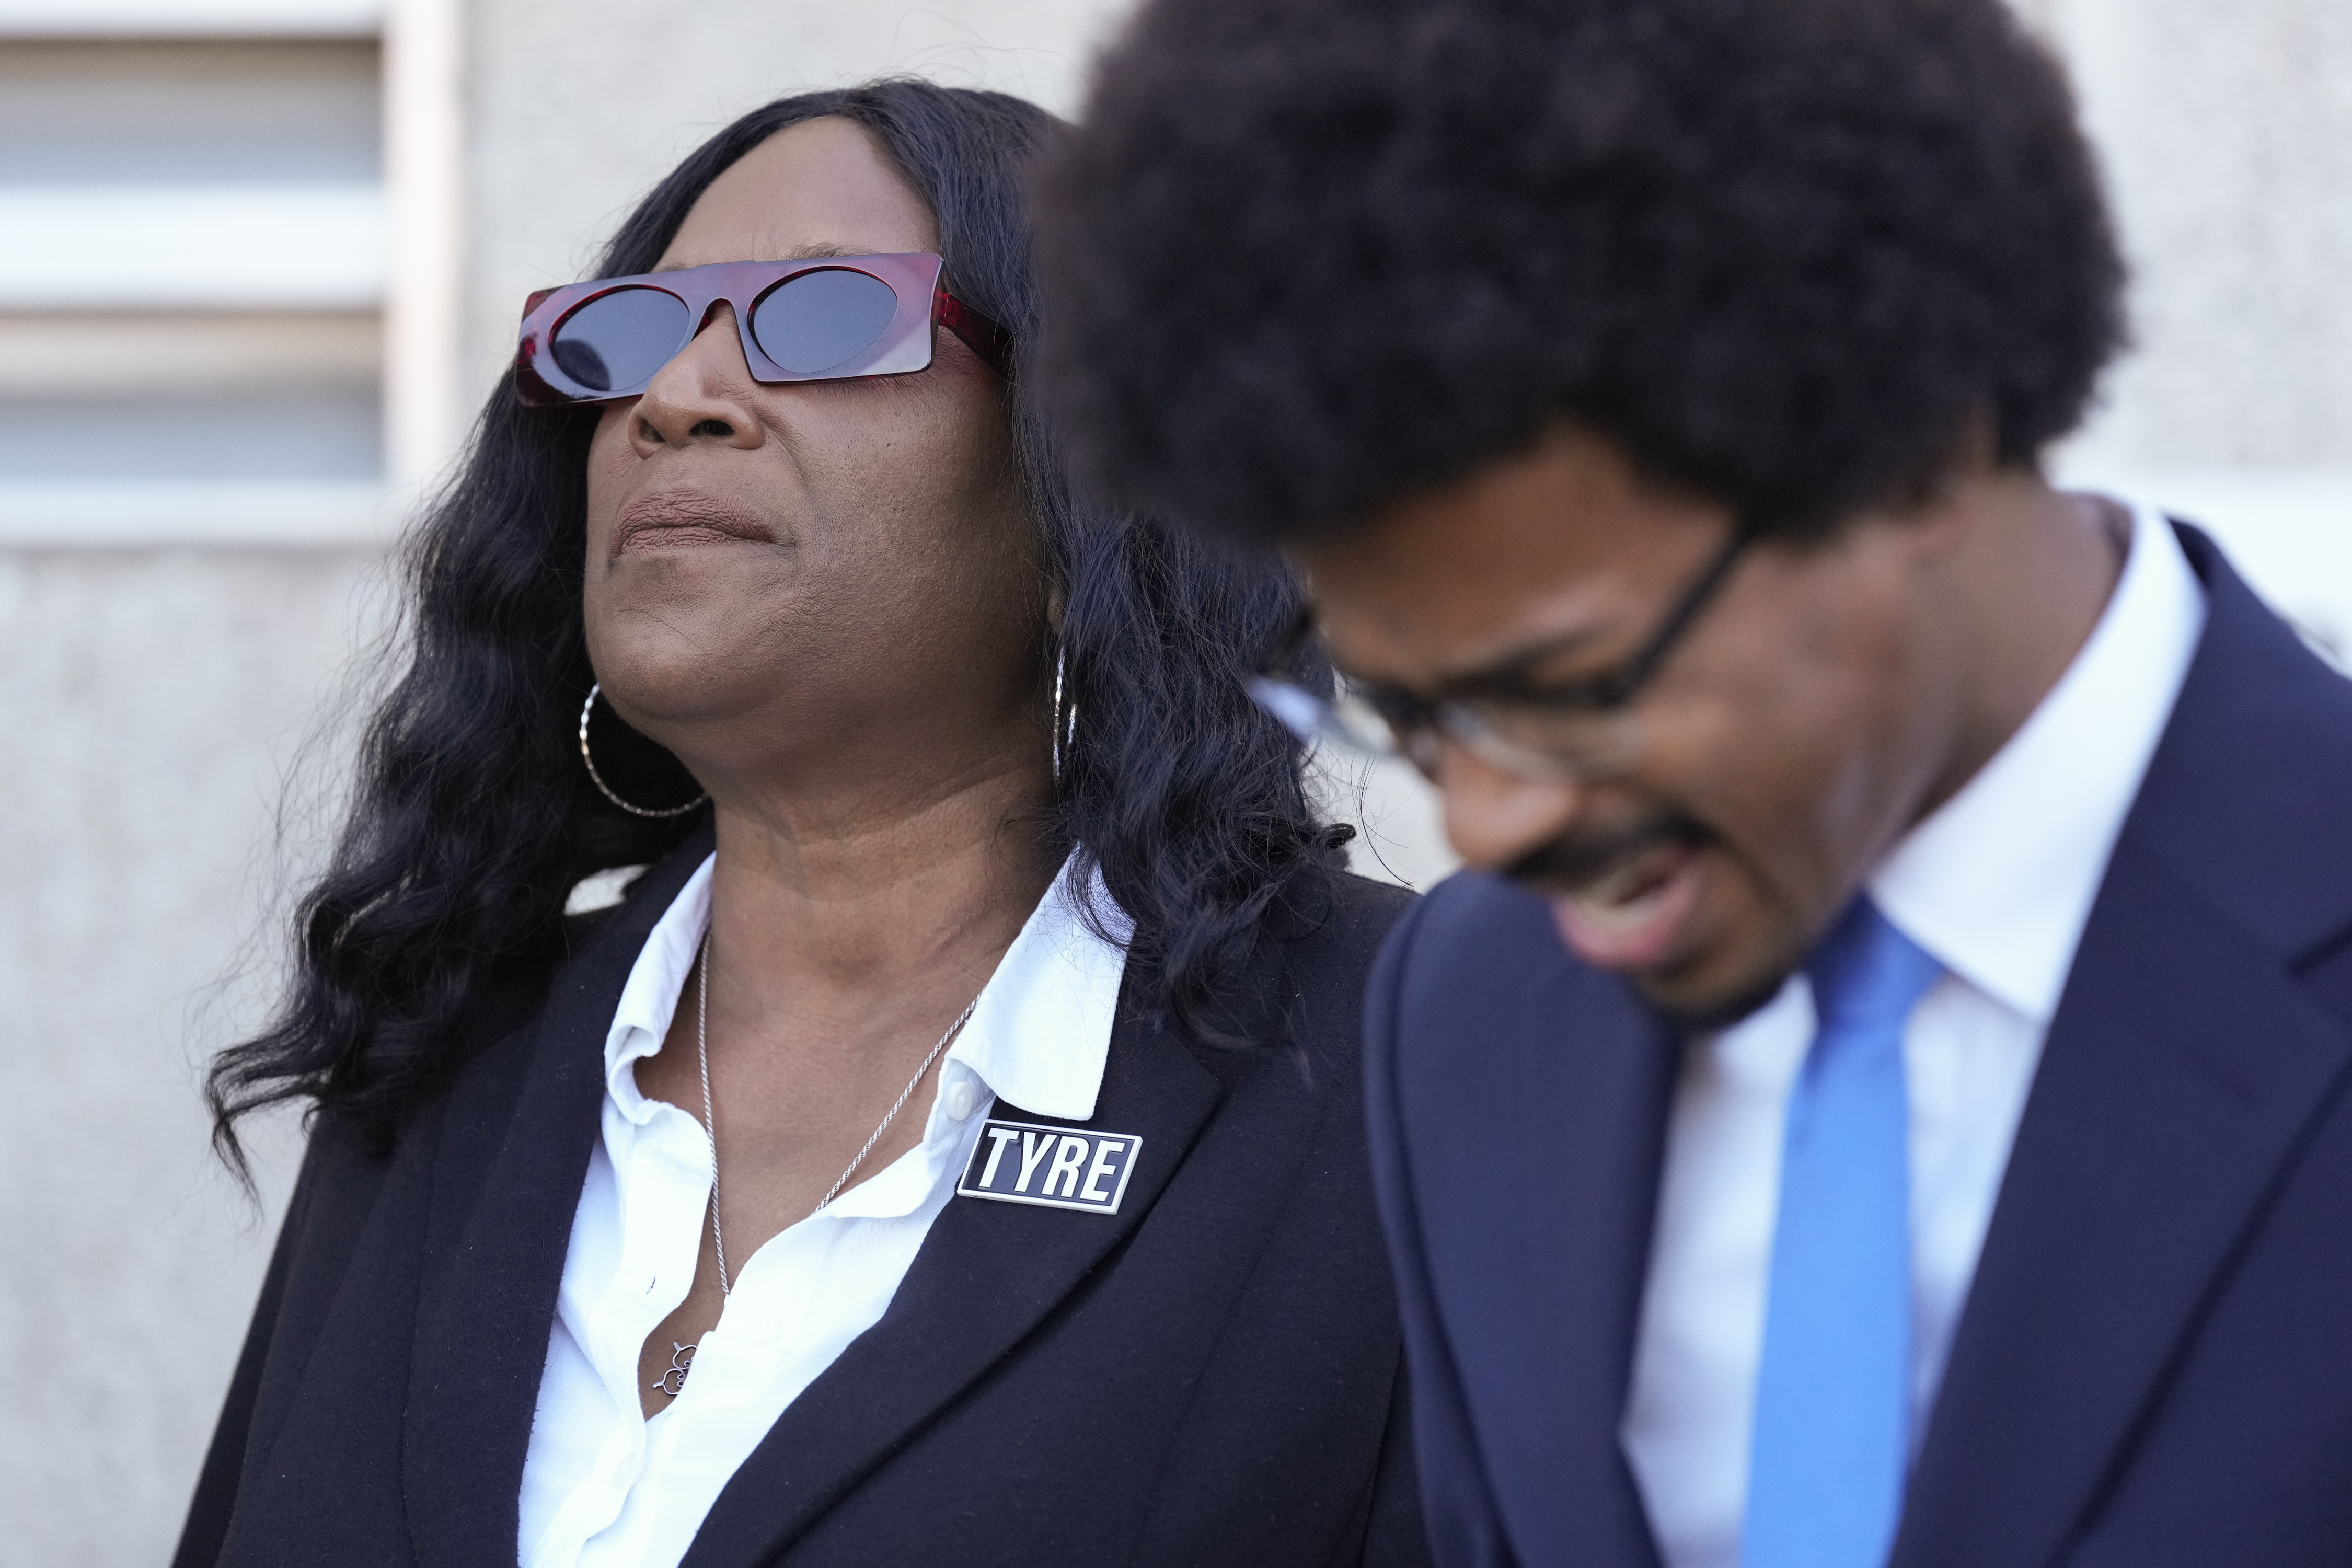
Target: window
[204,328]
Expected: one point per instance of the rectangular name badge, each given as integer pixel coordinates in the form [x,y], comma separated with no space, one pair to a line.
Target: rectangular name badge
[1056,1167]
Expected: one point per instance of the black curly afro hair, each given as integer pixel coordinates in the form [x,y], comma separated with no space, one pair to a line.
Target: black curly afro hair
[1309,255]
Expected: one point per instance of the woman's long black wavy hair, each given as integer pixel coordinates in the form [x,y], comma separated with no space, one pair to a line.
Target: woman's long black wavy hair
[472,819]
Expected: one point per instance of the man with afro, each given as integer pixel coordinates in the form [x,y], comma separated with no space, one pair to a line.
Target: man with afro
[1878,1091]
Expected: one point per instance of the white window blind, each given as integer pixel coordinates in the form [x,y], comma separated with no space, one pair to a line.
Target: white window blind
[200,259]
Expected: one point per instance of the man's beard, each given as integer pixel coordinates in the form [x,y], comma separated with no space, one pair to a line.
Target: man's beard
[1573,861]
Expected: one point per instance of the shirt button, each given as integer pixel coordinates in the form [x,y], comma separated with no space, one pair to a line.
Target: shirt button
[960,1099]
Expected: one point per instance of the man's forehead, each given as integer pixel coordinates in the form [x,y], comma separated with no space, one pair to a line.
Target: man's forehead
[1561,541]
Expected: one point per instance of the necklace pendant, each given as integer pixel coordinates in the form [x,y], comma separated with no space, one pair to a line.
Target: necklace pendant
[681,1361]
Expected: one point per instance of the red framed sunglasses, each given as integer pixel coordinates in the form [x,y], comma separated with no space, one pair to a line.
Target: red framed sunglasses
[825,319]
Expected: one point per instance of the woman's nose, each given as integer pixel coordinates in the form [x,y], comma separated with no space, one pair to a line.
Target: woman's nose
[704,394]
[1494,818]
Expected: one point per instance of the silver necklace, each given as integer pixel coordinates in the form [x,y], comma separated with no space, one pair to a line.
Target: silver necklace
[682,1356]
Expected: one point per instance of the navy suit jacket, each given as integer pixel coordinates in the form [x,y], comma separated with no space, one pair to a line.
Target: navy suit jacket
[2154,1365]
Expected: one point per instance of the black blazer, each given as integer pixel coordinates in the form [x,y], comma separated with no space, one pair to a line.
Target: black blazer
[1213,1376]
[2154,1366]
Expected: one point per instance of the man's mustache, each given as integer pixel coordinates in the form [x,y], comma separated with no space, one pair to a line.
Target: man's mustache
[1575,859]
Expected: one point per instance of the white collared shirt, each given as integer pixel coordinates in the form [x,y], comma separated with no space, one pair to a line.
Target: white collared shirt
[604,1487]
[1996,885]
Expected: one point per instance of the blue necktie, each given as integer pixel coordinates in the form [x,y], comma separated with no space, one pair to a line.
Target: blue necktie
[1834,1392]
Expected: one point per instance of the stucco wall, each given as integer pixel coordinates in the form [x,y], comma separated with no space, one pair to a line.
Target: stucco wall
[2226,133]
[151,701]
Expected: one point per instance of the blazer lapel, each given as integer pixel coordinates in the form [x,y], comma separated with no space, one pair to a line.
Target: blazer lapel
[1599,1222]
[987,1276]
[1535,1160]
[2182,1066]
[507,1181]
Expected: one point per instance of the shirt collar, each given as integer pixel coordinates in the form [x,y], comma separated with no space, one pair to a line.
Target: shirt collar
[1038,1037]
[649,1001]
[1998,882]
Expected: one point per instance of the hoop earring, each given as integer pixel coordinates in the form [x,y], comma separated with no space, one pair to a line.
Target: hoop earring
[598,778]
[1065,713]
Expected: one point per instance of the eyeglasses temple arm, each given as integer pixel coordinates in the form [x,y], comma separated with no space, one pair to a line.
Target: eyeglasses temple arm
[1636,674]
[982,333]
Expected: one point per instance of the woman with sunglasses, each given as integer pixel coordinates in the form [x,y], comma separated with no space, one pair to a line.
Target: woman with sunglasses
[949,1151]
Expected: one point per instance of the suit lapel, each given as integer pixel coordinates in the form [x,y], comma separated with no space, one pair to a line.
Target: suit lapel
[2182,1066]
[987,1276]
[507,1181]
[1613,1135]
[2177,1076]
[1537,1219]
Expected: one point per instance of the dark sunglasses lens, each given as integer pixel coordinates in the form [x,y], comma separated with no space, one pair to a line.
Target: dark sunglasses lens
[820,319]
[620,338]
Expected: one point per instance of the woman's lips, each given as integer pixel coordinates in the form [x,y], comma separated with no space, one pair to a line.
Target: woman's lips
[678,519]
[1631,916]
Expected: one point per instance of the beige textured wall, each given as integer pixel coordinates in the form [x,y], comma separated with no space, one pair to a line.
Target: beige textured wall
[2227,135]
[2225,129]
[151,700]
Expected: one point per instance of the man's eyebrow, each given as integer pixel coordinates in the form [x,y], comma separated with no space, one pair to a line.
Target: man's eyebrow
[1509,670]
[821,252]
[1505,672]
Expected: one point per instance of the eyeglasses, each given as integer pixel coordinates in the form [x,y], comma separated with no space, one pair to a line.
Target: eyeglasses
[827,319]
[1576,731]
